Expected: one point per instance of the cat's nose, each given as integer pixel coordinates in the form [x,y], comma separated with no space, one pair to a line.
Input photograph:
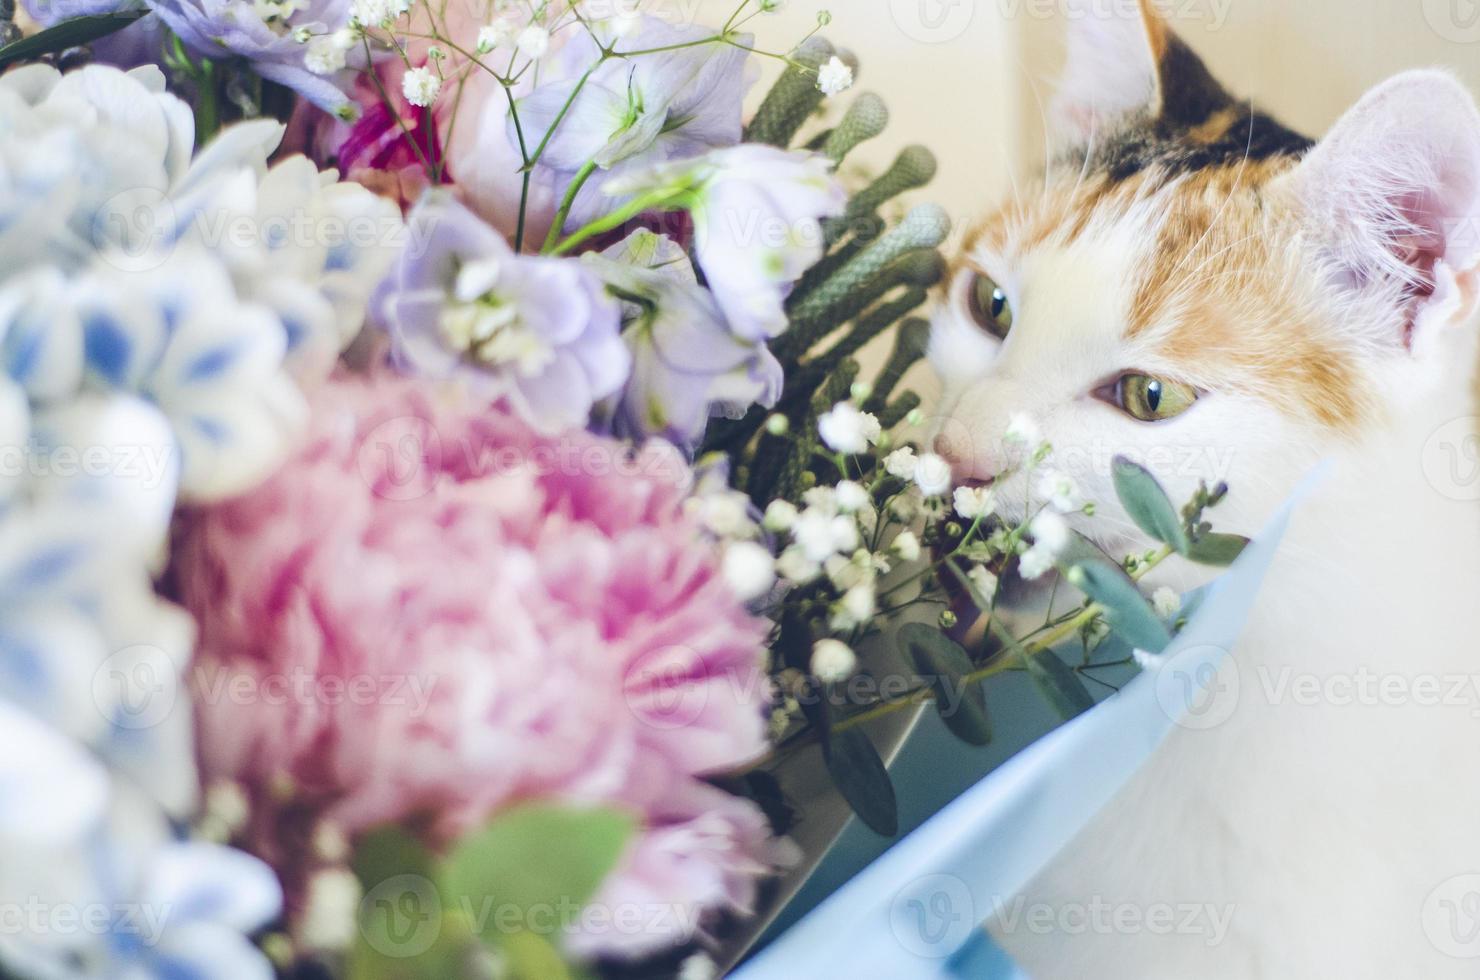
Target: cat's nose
[969,463]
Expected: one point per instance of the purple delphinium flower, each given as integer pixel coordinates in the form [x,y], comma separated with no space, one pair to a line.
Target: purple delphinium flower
[140,43]
[686,364]
[262,33]
[633,113]
[538,331]
[756,212]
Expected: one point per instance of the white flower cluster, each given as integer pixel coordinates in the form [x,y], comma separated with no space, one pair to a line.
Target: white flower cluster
[200,287]
[153,310]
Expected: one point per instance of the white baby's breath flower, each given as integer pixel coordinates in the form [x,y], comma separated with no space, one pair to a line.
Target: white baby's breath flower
[534,42]
[796,567]
[1023,430]
[974,503]
[983,581]
[907,546]
[835,77]
[932,475]
[370,13]
[625,23]
[821,535]
[824,499]
[749,569]
[851,497]
[901,463]
[330,843]
[420,86]
[1050,532]
[833,661]
[1060,491]
[855,608]
[1034,563]
[906,506]
[726,515]
[1166,602]
[227,803]
[845,429]
[326,53]
[497,34]
[333,899]
[780,516]
[698,967]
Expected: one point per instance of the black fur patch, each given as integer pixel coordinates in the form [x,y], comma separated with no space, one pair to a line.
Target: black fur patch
[1251,135]
[1178,141]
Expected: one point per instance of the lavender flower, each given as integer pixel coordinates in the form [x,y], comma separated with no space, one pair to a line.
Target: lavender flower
[756,211]
[687,365]
[261,31]
[538,331]
[634,113]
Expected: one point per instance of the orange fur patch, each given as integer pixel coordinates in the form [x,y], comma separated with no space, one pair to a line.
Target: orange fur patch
[1223,289]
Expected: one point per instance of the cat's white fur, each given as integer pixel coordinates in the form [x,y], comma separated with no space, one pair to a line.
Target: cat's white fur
[1332,817]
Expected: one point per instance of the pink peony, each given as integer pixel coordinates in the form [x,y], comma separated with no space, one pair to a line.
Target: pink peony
[433,612]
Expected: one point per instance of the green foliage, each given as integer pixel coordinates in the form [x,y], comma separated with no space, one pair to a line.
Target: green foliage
[1059,685]
[945,667]
[67,34]
[1147,504]
[874,276]
[1126,609]
[507,889]
[536,863]
[860,776]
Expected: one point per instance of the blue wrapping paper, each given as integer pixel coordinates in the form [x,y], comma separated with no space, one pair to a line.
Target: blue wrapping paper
[917,911]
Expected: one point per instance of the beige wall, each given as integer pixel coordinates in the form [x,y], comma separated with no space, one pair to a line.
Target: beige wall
[967,77]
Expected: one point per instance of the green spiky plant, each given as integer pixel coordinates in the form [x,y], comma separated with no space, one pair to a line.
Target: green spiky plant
[873,278]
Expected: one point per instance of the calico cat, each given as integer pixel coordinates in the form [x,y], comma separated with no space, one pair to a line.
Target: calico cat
[1197,286]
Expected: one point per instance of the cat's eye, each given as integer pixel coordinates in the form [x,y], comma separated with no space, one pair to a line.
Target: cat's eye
[1151,399]
[990,307]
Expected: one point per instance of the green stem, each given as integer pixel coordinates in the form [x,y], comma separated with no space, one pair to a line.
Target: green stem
[616,219]
[207,104]
[1047,642]
[566,203]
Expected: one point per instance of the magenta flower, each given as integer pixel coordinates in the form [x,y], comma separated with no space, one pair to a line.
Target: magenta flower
[435,612]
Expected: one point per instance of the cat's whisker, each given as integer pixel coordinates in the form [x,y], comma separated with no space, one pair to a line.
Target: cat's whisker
[1238,177]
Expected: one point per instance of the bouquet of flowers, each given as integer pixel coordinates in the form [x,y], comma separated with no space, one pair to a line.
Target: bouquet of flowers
[442,487]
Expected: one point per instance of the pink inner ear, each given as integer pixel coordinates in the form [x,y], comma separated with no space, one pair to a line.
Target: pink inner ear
[1420,249]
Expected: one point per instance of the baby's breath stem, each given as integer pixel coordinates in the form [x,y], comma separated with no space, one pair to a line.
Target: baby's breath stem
[1002,665]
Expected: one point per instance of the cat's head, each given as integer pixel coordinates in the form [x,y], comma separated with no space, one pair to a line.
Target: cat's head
[1198,287]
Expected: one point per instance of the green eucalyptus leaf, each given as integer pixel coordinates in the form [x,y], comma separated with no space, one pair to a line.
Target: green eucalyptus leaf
[943,664]
[860,776]
[67,34]
[1060,686]
[405,930]
[1218,550]
[530,956]
[1126,609]
[534,866]
[1148,505]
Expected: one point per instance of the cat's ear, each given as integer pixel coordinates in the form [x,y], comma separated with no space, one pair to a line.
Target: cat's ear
[1125,63]
[1393,193]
